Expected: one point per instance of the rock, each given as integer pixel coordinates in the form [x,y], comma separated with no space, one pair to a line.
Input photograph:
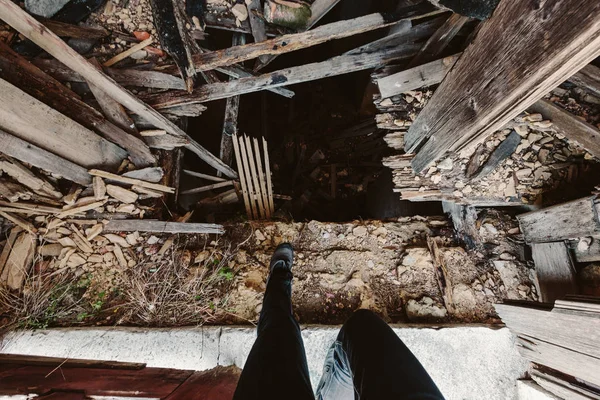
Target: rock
[139,55]
[386,103]
[152,240]
[360,231]
[521,130]
[523,173]
[507,256]
[446,164]
[240,11]
[425,308]
[44,8]
[381,231]
[259,235]
[116,239]
[584,244]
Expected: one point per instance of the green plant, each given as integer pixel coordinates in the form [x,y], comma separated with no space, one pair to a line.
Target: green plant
[226,272]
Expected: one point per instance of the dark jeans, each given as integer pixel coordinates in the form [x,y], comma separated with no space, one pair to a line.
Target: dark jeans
[367,357]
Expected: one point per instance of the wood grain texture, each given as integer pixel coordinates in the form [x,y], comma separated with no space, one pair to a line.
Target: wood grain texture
[424,75]
[38,157]
[555,271]
[335,66]
[519,54]
[561,388]
[33,121]
[569,125]
[13,15]
[569,220]
[131,225]
[292,42]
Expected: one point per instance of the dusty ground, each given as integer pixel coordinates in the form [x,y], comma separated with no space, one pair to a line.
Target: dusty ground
[387,267]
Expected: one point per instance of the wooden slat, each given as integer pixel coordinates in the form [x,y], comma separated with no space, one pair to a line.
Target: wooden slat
[569,125]
[33,121]
[255,181]
[203,176]
[574,219]
[67,363]
[252,192]
[518,55]
[555,271]
[236,71]
[38,157]
[13,15]
[561,388]
[261,178]
[208,187]
[242,175]
[146,225]
[257,24]
[268,173]
[318,10]
[131,181]
[588,78]
[344,64]
[438,42]
[8,245]
[296,41]
[74,31]
[424,75]
[19,260]
[215,384]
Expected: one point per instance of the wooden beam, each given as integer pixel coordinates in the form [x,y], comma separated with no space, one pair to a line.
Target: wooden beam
[32,80]
[574,219]
[588,78]
[38,157]
[33,121]
[296,41]
[145,225]
[318,10]
[13,15]
[438,42]
[555,271]
[257,25]
[335,66]
[518,55]
[569,125]
[424,75]
[237,71]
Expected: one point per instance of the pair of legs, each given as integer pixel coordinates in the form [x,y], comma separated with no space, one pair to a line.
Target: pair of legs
[367,360]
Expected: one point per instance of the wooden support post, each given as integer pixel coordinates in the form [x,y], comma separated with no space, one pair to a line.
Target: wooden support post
[13,15]
[505,70]
[555,270]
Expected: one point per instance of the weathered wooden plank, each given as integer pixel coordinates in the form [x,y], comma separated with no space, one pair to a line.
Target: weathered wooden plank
[124,76]
[589,78]
[569,125]
[13,15]
[238,72]
[439,40]
[561,388]
[318,10]
[208,187]
[36,156]
[424,75]
[20,259]
[146,225]
[8,245]
[495,80]
[217,383]
[500,153]
[203,176]
[570,220]
[292,42]
[569,362]
[74,31]
[131,181]
[257,25]
[31,120]
[335,66]
[240,168]
[573,332]
[67,363]
[555,270]
[32,80]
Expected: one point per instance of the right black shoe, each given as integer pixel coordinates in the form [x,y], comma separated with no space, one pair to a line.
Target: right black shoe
[283,257]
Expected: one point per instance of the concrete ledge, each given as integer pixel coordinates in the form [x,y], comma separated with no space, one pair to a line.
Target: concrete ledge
[465,362]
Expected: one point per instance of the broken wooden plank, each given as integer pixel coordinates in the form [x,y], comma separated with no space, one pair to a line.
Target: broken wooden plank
[13,15]
[588,78]
[555,270]
[166,142]
[33,121]
[25,176]
[32,80]
[131,181]
[43,159]
[20,260]
[500,153]
[318,10]
[123,76]
[252,191]
[175,38]
[257,24]
[129,225]
[242,174]
[561,388]
[8,245]
[261,179]
[424,75]
[574,219]
[81,209]
[203,176]
[208,187]
[149,174]
[255,182]
[486,89]
[335,66]
[292,42]
[237,71]
[268,174]
[569,125]
[21,223]
[438,42]
[74,31]
[123,55]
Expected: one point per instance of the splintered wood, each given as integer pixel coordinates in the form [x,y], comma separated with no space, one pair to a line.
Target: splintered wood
[257,189]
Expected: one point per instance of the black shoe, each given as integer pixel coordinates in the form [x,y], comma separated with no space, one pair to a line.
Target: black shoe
[283,257]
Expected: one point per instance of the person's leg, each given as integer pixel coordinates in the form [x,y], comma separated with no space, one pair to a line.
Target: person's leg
[380,365]
[276,367]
